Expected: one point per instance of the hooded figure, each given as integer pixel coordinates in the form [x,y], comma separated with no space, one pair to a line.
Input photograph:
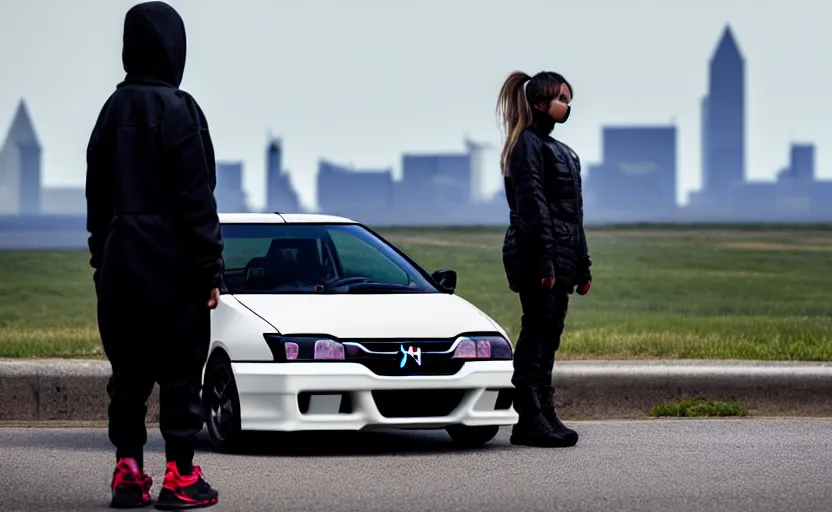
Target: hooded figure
[156,251]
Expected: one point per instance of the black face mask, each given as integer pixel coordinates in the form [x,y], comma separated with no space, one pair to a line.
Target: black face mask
[566,115]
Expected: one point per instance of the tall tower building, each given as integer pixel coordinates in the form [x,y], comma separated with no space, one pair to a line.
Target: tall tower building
[274,169]
[20,173]
[723,117]
[229,192]
[280,194]
[802,162]
[703,134]
[480,191]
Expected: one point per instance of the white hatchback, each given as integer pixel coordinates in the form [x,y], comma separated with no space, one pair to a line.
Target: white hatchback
[324,325]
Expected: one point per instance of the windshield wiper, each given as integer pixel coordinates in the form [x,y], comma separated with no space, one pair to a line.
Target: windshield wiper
[370,287]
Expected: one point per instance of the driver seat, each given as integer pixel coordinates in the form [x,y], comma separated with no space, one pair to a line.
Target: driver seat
[306,266]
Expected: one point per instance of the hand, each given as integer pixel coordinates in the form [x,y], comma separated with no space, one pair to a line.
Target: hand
[547,270]
[584,279]
[214,300]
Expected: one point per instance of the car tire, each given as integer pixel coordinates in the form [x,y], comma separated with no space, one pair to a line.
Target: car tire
[472,437]
[222,405]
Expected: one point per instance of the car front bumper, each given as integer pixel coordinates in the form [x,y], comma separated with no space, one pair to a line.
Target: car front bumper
[348,396]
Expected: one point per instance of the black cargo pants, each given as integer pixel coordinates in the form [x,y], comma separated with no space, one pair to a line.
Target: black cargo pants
[541,327]
[147,345]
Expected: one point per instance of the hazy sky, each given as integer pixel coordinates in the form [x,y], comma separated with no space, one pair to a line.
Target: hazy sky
[362,81]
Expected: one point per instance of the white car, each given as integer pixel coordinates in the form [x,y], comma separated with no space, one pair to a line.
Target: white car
[326,326]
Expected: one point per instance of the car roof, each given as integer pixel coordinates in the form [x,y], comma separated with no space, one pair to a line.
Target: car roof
[282,218]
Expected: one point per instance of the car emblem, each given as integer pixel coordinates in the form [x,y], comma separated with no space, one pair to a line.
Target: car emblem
[414,352]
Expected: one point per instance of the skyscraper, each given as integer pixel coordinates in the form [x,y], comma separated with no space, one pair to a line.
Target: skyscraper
[802,162]
[274,168]
[434,182]
[20,173]
[723,118]
[638,174]
[361,195]
[280,194]
[703,133]
[482,174]
[229,191]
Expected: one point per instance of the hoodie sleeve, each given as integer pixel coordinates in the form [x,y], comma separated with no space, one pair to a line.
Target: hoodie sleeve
[99,193]
[191,153]
[526,171]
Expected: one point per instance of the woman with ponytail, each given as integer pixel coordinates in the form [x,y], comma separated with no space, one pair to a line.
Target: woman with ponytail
[545,251]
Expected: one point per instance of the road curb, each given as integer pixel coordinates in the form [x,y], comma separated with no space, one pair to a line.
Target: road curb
[58,390]
[628,389]
[75,390]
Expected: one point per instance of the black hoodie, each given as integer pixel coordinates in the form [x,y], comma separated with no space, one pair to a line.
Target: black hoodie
[151,213]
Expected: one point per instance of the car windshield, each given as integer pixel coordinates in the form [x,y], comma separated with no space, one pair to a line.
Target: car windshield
[315,258]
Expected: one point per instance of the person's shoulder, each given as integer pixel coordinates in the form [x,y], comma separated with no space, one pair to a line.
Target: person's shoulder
[529,139]
[181,106]
[183,96]
[107,118]
[568,150]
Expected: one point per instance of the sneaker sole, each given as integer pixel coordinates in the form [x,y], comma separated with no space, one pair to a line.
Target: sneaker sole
[523,442]
[124,505]
[185,506]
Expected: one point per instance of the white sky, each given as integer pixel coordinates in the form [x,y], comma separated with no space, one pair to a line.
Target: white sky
[362,81]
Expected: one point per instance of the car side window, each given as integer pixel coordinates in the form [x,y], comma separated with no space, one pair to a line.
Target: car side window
[360,259]
[237,252]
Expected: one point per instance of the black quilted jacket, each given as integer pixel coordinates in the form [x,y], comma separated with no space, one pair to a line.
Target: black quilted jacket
[545,236]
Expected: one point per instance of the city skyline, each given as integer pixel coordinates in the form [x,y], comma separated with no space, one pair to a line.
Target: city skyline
[654,98]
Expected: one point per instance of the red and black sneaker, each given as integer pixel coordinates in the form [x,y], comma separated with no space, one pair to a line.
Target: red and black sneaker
[185,491]
[131,487]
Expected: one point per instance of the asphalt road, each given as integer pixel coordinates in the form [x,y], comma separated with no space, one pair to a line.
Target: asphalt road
[683,465]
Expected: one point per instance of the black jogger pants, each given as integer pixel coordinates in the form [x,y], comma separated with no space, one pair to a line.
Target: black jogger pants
[541,327]
[169,348]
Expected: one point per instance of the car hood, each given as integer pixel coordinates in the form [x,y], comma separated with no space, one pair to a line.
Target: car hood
[428,315]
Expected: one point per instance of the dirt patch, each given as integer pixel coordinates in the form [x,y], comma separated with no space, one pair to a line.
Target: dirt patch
[818,240]
[733,273]
[566,356]
[734,234]
[438,242]
[774,246]
[698,273]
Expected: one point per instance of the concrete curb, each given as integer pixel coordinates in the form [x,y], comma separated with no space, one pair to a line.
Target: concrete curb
[75,390]
[628,389]
[58,390]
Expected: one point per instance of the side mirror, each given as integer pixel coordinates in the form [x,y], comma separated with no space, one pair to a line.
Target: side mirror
[446,279]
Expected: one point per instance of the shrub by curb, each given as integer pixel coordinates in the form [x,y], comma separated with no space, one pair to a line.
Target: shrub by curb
[698,408]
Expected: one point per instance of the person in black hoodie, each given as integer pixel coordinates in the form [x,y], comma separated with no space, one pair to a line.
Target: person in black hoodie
[545,252]
[156,251]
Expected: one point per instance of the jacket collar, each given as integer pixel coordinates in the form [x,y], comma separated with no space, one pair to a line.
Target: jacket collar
[542,123]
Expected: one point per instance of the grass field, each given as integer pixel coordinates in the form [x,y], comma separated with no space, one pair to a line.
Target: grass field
[693,292]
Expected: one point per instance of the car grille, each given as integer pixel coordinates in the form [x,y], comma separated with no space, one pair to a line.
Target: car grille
[393,346]
[417,403]
[389,365]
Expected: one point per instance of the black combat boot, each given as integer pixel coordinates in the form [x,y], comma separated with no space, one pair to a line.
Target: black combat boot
[532,429]
[547,400]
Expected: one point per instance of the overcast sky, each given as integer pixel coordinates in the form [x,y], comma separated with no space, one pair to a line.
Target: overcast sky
[362,81]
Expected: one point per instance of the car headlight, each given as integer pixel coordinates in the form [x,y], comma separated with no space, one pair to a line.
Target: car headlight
[304,348]
[482,347]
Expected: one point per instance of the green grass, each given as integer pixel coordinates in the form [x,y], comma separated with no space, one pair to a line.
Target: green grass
[697,408]
[717,292]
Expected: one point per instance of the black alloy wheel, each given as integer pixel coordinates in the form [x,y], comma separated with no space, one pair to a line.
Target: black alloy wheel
[222,406]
